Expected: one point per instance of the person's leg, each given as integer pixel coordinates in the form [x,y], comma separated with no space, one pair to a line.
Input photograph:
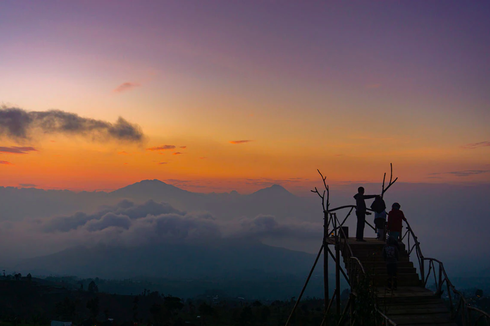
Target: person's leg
[361,220]
[395,235]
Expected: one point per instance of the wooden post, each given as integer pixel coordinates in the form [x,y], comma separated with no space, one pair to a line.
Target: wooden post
[325,259]
[439,285]
[421,261]
[337,264]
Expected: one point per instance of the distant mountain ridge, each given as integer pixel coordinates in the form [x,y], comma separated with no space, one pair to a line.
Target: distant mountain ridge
[19,203]
[148,188]
[221,259]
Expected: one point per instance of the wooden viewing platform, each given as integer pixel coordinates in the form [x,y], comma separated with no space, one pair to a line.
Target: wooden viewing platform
[411,303]
[371,301]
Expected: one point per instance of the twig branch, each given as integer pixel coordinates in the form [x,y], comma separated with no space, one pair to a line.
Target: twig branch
[325,199]
[322,196]
[327,189]
[383,190]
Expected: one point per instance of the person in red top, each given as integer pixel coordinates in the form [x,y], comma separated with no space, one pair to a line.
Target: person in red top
[395,218]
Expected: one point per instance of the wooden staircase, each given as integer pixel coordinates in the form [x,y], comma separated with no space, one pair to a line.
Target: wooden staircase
[410,304]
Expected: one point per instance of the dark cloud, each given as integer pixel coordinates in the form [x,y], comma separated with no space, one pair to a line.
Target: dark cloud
[109,220]
[5,162]
[239,141]
[162,163]
[135,224]
[18,124]
[462,173]
[175,228]
[177,153]
[124,208]
[467,173]
[27,185]
[125,87]
[477,145]
[183,147]
[161,148]
[17,150]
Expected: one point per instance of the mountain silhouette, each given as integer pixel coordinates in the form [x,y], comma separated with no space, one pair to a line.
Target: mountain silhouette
[159,191]
[38,203]
[220,259]
[274,191]
[147,189]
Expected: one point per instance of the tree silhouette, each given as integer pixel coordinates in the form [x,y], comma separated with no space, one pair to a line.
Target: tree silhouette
[92,287]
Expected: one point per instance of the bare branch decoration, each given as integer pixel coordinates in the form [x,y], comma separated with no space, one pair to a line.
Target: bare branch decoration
[383,189]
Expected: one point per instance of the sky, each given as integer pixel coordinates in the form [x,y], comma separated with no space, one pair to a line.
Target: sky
[222,95]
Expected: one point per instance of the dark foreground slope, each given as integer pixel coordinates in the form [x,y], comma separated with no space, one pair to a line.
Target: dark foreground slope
[38,301]
[222,259]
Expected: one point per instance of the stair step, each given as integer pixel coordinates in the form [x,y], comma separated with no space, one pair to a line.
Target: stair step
[422,319]
[411,303]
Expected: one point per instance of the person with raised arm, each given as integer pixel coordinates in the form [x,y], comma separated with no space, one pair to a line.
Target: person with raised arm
[361,212]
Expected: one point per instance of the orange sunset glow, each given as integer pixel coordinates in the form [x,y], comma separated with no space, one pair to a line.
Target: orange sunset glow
[221,107]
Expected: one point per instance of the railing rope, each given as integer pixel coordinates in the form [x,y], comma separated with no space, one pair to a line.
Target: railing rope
[457,303]
[440,278]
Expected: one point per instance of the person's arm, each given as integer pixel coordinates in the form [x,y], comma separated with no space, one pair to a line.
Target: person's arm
[403,217]
[369,196]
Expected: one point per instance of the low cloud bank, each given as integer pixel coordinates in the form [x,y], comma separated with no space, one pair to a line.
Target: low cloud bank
[149,223]
[128,224]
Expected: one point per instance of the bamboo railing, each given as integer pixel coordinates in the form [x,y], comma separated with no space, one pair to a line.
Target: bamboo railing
[460,309]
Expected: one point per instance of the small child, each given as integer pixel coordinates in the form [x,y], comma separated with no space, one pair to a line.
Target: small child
[379,208]
[390,254]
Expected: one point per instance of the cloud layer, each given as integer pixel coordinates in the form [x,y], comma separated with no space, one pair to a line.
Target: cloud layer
[235,142]
[477,145]
[462,173]
[161,148]
[17,150]
[133,224]
[19,125]
[124,87]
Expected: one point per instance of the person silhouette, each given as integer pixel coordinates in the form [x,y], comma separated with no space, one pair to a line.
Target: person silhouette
[361,212]
[391,255]
[395,218]
[379,208]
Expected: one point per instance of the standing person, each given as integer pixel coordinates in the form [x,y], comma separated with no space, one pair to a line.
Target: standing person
[379,208]
[390,255]
[395,218]
[361,212]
